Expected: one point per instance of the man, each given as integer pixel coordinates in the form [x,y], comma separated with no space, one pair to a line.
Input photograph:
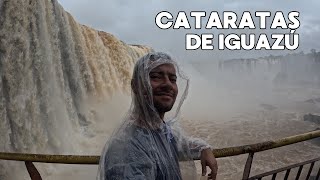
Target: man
[148,145]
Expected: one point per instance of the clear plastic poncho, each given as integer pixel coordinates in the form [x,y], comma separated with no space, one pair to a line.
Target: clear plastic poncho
[146,146]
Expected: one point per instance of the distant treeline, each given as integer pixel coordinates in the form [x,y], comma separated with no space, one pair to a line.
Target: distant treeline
[313,56]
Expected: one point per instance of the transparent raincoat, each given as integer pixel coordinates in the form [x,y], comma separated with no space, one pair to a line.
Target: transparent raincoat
[146,146]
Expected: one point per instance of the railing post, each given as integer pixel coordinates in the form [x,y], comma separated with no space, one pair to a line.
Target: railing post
[247,167]
[310,170]
[32,170]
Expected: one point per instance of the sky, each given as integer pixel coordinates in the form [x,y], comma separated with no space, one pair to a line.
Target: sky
[134,23]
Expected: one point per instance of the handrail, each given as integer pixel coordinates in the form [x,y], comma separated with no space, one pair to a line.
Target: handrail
[288,168]
[252,148]
[224,152]
[49,158]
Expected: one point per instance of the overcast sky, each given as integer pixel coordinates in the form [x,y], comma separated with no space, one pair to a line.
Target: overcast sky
[134,23]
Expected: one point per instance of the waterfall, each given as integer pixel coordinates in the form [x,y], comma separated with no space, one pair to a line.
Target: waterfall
[50,68]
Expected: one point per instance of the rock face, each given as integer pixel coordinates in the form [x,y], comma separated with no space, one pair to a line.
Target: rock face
[313,101]
[50,66]
[312,118]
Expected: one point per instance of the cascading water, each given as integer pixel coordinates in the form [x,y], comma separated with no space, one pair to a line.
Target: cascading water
[63,87]
[53,70]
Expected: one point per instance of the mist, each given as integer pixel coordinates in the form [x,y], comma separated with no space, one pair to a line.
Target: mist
[134,23]
[236,97]
[66,85]
[230,103]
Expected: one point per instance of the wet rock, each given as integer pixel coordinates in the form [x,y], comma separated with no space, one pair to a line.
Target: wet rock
[268,107]
[312,118]
[313,101]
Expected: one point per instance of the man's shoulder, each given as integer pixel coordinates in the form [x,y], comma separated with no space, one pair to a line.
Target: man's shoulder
[128,146]
[130,136]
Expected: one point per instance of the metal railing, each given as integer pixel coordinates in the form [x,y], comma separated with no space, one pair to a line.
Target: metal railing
[288,169]
[218,153]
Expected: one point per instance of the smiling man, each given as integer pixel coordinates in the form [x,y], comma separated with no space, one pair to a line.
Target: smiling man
[149,144]
[164,87]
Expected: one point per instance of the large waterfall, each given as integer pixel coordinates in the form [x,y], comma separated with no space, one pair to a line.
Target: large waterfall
[52,71]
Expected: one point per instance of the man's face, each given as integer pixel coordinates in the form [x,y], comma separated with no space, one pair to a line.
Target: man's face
[164,88]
